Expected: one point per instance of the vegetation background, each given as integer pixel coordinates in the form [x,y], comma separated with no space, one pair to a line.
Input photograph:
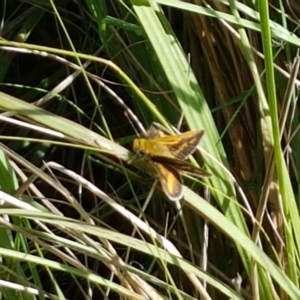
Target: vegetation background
[79,79]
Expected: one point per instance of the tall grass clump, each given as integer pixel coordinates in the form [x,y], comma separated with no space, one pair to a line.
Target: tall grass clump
[81,216]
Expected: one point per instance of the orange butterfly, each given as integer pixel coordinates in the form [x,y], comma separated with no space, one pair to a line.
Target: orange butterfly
[168,154]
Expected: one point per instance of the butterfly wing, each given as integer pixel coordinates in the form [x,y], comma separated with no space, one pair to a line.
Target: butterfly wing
[154,133]
[179,146]
[185,145]
[170,181]
[181,165]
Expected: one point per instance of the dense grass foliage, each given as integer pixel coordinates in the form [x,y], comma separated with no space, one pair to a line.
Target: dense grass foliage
[82,216]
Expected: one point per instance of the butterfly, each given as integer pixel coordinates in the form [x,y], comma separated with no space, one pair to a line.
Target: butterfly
[168,153]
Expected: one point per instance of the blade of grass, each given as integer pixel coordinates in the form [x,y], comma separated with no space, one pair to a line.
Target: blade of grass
[285,187]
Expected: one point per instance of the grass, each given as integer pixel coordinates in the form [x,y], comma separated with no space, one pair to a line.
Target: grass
[81,218]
